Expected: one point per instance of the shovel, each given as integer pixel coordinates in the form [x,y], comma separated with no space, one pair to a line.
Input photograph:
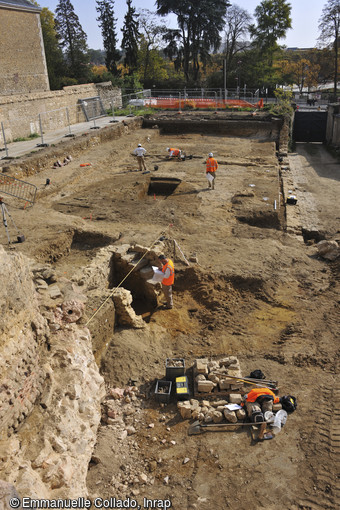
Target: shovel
[199,428]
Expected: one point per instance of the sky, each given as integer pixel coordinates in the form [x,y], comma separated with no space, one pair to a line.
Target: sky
[303,34]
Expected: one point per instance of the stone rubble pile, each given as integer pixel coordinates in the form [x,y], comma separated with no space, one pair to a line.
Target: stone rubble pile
[122,413]
[217,376]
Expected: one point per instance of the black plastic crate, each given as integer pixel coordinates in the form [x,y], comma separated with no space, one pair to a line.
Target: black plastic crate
[163,391]
[174,367]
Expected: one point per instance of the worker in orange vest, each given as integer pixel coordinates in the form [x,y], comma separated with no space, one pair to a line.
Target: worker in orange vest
[174,153]
[258,401]
[169,276]
[211,168]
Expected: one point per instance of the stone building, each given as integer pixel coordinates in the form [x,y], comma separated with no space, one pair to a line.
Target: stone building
[23,65]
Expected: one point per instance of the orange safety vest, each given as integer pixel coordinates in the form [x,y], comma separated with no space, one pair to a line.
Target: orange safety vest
[257,392]
[171,279]
[212,165]
[175,152]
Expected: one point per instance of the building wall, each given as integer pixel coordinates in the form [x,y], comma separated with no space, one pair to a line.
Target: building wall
[21,114]
[23,65]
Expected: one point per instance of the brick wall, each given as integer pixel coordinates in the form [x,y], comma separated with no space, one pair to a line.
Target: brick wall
[20,113]
[23,65]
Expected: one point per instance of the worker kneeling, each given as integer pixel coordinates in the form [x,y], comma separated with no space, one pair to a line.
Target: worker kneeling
[174,153]
[258,401]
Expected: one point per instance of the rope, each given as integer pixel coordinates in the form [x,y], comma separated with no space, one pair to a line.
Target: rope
[123,280]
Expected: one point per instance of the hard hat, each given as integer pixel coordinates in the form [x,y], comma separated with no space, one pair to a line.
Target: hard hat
[139,145]
[168,149]
[210,154]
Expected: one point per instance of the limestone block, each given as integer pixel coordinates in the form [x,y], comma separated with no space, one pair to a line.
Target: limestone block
[125,314]
[206,403]
[54,291]
[235,398]
[205,386]
[224,384]
[213,365]
[194,403]
[219,403]
[213,377]
[230,416]
[184,409]
[200,377]
[208,418]
[196,413]
[217,416]
[329,250]
[204,410]
[201,366]
[241,414]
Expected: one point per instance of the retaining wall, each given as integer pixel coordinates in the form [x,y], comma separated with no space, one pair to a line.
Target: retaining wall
[267,128]
[20,113]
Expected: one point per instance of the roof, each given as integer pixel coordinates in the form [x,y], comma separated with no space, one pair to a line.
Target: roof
[21,5]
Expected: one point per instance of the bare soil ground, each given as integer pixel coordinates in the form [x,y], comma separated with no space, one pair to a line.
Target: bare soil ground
[256,292]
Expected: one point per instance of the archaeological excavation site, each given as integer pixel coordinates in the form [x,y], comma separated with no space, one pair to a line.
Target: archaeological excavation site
[111,399]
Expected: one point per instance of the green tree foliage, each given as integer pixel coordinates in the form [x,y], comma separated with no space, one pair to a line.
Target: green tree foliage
[107,23]
[54,56]
[96,57]
[236,28]
[72,39]
[273,21]
[130,37]
[151,65]
[329,27]
[200,24]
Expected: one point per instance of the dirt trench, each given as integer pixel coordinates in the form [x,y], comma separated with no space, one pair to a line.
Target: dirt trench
[255,291]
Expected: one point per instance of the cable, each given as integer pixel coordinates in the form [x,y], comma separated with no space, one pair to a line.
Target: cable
[123,280]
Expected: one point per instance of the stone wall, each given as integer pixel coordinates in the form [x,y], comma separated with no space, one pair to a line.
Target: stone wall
[50,386]
[23,65]
[21,114]
[22,335]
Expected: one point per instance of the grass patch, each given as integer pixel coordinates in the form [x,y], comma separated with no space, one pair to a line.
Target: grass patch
[26,139]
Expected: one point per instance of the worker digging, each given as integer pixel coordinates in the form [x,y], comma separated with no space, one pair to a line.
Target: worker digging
[174,153]
[211,167]
[139,152]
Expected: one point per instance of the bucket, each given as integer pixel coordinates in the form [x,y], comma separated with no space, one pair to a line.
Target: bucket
[279,421]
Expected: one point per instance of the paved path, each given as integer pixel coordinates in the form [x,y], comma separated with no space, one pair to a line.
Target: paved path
[316,177]
[17,149]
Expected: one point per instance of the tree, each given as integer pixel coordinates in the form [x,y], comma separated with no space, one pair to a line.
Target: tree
[301,72]
[130,37]
[329,27]
[150,62]
[200,24]
[273,21]
[236,27]
[107,23]
[72,39]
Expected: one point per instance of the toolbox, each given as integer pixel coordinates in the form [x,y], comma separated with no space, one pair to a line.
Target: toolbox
[182,388]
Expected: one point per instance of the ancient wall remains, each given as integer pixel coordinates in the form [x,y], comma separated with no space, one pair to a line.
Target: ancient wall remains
[22,114]
[23,65]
